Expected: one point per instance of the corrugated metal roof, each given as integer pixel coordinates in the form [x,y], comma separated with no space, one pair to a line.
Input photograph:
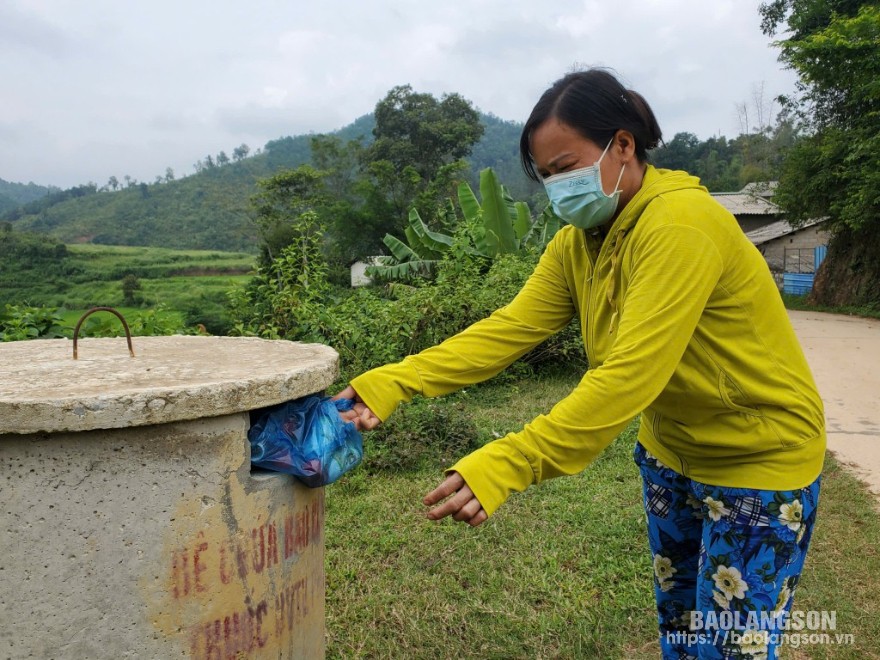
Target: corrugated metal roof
[776,229]
[763,189]
[740,203]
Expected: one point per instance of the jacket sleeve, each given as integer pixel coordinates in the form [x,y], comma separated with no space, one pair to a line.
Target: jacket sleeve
[543,307]
[675,268]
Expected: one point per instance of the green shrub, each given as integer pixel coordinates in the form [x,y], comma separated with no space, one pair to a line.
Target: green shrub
[373,326]
[424,434]
[376,326]
[155,322]
[207,312]
[287,297]
[19,322]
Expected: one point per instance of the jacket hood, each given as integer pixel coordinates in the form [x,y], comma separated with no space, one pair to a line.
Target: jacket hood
[655,183]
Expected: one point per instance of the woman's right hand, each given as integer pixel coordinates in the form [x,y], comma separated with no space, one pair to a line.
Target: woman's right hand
[363,417]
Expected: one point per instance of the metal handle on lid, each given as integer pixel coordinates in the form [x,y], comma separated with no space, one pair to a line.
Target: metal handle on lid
[101,309]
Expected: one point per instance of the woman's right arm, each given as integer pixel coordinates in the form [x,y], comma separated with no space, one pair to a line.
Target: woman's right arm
[541,308]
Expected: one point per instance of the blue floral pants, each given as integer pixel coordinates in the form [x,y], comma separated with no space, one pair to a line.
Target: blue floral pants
[726,562]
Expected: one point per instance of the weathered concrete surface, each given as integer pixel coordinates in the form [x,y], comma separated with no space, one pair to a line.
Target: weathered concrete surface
[42,388]
[156,542]
[844,355]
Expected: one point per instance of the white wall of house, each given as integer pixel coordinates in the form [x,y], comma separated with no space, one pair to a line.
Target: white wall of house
[359,271]
[806,239]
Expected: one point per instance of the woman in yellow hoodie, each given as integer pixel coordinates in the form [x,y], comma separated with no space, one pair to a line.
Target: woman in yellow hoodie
[683,324]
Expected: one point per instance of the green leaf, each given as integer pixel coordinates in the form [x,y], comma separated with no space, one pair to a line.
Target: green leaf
[414,243]
[450,218]
[523,220]
[470,207]
[496,217]
[434,241]
[399,249]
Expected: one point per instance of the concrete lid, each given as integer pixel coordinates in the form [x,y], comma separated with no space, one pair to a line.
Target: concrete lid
[43,389]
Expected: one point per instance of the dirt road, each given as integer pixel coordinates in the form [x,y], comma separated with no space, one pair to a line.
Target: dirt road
[844,354]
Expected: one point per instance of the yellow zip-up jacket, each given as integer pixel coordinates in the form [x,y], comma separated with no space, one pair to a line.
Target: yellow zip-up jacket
[682,322]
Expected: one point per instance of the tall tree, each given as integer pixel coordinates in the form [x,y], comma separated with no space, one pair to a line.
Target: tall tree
[420,131]
[280,201]
[355,223]
[419,139]
[240,152]
[834,46]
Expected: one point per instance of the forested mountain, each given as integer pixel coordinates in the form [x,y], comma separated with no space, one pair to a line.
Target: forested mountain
[210,208]
[207,210]
[13,195]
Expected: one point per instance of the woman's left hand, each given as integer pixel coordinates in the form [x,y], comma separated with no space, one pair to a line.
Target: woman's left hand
[462,506]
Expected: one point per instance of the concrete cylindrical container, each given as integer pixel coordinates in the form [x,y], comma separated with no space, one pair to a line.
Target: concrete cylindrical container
[132,524]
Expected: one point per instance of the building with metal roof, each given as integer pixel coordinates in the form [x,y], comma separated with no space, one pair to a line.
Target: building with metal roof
[751,209]
[790,249]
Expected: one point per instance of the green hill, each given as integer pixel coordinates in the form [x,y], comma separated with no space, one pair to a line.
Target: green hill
[7,203]
[13,195]
[209,209]
[22,193]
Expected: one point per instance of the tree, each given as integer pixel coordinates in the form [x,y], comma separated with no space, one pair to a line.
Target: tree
[417,136]
[418,130]
[354,226]
[240,152]
[130,285]
[834,46]
[679,153]
[835,49]
[280,200]
[222,159]
[289,294]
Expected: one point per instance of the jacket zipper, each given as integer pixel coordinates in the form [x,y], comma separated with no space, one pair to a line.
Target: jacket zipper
[588,313]
[591,298]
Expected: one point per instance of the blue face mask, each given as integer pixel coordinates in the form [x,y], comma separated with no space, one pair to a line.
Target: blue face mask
[577,196]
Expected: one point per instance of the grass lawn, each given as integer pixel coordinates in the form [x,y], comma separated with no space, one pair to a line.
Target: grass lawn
[561,571]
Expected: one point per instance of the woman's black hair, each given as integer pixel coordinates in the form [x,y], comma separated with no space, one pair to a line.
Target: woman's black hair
[594,103]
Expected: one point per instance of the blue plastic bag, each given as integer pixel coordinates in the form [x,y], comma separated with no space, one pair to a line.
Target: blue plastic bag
[308,439]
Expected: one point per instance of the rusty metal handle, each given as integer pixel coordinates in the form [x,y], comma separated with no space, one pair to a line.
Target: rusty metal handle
[101,309]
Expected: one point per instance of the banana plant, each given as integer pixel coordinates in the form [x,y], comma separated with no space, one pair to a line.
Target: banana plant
[418,259]
[543,229]
[497,226]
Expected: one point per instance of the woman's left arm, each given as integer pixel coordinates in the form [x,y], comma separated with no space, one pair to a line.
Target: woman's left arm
[675,269]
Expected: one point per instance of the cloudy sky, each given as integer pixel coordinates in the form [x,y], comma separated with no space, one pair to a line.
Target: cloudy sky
[97,88]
